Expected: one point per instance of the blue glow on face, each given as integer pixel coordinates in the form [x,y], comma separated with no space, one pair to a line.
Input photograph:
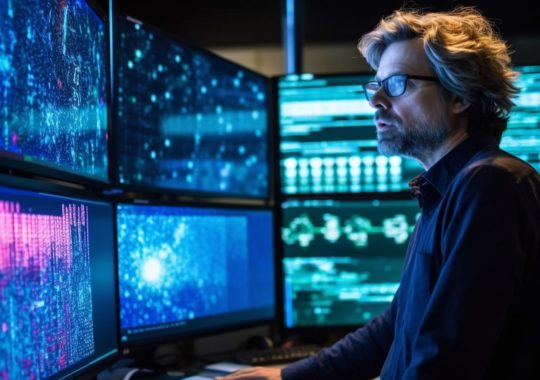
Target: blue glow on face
[202,106]
[53,75]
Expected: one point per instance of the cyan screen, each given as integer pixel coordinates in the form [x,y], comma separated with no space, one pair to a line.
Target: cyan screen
[522,137]
[343,259]
[328,139]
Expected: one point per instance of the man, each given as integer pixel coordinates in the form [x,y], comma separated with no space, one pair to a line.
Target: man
[468,306]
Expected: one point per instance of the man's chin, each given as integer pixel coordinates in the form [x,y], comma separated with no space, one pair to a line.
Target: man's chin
[388,148]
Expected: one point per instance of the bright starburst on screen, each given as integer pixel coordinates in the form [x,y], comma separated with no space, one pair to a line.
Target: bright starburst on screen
[152,270]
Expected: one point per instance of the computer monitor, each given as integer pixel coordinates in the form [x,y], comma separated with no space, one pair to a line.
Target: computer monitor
[342,260]
[522,137]
[53,98]
[58,316]
[187,271]
[188,121]
[328,141]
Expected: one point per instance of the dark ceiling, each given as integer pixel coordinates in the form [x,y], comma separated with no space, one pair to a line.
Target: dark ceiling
[255,22]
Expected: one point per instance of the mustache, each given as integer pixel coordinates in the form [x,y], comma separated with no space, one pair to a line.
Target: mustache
[386,117]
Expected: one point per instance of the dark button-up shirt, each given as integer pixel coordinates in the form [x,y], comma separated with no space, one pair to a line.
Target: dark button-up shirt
[468,305]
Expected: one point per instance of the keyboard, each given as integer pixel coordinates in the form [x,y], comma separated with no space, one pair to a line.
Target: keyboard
[275,355]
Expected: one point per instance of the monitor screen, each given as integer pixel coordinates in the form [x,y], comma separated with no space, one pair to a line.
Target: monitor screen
[342,260]
[57,285]
[188,120]
[188,271]
[53,98]
[328,141]
[522,138]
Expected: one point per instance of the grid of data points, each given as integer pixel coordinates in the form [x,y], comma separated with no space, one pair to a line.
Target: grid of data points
[53,94]
[188,120]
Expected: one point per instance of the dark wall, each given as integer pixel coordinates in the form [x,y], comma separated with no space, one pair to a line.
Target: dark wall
[247,22]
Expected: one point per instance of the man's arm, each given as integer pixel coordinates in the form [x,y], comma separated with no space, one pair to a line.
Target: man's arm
[359,355]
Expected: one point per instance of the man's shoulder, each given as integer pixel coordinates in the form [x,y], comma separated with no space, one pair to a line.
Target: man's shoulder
[497,164]
[496,179]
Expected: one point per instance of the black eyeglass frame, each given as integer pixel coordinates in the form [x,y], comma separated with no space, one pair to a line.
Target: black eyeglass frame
[377,84]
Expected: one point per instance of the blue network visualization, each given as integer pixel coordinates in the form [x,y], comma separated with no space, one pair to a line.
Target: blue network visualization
[181,266]
[49,266]
[187,119]
[343,259]
[53,94]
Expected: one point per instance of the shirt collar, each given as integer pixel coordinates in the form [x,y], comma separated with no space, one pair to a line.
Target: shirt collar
[441,174]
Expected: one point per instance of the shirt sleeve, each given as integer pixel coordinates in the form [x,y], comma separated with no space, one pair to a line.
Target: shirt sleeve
[359,355]
[488,232]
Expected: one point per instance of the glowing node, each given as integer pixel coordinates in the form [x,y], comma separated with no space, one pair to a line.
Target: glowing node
[381,161]
[395,161]
[290,163]
[152,270]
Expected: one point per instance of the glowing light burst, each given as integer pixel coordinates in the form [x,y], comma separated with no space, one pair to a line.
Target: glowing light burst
[180,263]
[152,270]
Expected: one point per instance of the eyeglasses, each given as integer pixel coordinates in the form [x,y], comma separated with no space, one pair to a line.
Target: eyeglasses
[394,85]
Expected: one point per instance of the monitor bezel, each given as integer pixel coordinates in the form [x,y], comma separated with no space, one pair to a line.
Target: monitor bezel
[11,163]
[144,343]
[199,194]
[88,370]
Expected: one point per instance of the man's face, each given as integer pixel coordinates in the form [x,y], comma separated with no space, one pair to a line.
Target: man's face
[415,123]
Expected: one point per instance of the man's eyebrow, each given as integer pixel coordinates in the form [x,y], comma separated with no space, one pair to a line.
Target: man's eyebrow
[377,78]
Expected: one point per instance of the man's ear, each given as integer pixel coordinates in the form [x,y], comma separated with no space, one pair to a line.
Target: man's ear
[459,105]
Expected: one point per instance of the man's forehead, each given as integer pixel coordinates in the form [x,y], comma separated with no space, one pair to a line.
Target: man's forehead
[407,57]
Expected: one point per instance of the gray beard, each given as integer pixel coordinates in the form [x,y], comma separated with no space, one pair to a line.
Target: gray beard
[417,142]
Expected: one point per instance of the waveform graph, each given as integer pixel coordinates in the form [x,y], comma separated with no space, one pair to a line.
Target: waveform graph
[364,225]
[46,310]
[343,259]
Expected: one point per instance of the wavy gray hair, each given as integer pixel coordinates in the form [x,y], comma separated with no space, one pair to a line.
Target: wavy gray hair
[466,53]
